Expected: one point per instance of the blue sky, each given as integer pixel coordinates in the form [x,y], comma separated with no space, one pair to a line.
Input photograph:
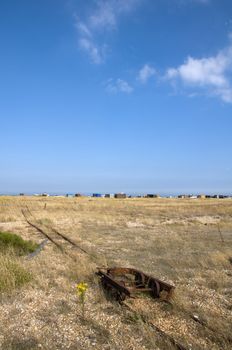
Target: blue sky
[117,95]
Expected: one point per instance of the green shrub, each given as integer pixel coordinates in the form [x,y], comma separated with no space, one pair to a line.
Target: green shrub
[12,241]
[12,273]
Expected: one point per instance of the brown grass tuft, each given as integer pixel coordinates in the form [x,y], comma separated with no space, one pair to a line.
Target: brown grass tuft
[12,273]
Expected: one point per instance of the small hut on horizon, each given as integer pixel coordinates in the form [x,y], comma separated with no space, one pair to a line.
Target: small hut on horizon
[120,195]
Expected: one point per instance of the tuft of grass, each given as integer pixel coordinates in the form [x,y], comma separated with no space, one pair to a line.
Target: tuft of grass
[12,273]
[18,244]
[7,218]
[44,221]
[17,343]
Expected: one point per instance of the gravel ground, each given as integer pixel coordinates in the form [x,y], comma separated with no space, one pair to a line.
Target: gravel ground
[177,241]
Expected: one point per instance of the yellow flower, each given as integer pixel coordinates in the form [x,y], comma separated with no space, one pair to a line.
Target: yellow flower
[81,288]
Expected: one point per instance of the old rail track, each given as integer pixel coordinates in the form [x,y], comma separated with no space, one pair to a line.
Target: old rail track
[30,219]
[177,345]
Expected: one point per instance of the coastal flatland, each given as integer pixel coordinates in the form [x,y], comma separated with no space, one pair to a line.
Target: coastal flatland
[186,242]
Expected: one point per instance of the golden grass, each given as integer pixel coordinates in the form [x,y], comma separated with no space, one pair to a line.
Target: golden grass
[12,272]
[175,240]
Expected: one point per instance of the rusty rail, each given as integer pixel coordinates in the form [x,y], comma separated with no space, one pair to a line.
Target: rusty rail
[48,227]
[157,329]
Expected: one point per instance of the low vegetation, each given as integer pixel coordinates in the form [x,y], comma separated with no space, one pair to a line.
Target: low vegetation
[12,272]
[16,243]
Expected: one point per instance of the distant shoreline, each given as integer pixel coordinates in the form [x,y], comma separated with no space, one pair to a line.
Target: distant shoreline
[148,195]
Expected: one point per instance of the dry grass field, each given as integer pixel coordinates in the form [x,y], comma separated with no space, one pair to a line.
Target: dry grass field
[184,242]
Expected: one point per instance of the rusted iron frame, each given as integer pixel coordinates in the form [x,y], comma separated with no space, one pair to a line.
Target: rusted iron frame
[106,279]
[144,278]
[147,283]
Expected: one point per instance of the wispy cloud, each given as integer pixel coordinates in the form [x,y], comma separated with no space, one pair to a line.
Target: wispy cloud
[211,74]
[145,73]
[96,53]
[103,17]
[119,85]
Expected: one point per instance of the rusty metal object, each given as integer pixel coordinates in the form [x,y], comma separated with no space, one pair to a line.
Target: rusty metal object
[127,282]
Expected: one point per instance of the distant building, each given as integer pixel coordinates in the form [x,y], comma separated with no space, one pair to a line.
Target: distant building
[150,195]
[77,195]
[221,196]
[201,196]
[120,195]
[97,195]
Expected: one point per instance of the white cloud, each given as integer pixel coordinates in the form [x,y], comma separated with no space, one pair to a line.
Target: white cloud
[123,86]
[119,85]
[83,29]
[104,17]
[211,74]
[96,54]
[145,73]
[108,11]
